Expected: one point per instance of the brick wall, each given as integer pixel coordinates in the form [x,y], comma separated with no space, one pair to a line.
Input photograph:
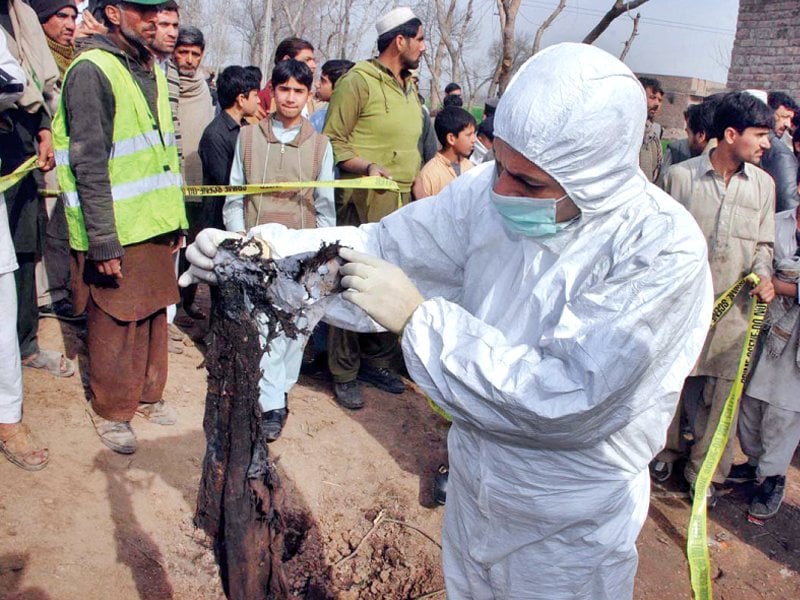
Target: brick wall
[766,51]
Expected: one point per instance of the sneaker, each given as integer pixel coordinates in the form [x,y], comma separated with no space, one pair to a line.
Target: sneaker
[440,485]
[382,378]
[117,435]
[348,395]
[768,498]
[660,471]
[743,473]
[272,423]
[61,310]
[712,497]
[157,412]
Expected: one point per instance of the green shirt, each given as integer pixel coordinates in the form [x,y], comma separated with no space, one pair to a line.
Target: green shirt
[371,116]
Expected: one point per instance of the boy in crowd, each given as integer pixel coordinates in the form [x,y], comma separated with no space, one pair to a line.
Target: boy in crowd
[237,90]
[332,70]
[455,129]
[282,147]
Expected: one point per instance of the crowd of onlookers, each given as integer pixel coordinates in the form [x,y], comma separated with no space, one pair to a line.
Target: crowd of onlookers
[737,173]
[115,102]
[95,254]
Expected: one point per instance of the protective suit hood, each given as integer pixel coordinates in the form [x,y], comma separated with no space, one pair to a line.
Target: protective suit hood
[579,114]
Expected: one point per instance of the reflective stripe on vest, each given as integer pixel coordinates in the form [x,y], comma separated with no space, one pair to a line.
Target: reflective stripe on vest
[143,164]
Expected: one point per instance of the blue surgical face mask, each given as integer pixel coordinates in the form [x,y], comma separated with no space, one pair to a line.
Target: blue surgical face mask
[532,217]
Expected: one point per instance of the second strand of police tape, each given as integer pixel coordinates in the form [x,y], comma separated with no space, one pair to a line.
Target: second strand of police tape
[696,545]
[696,542]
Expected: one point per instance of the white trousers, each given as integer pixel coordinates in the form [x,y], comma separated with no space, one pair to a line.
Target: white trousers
[10,367]
[280,368]
[173,308]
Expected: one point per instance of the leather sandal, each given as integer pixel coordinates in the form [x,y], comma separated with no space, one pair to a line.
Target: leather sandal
[51,361]
[23,449]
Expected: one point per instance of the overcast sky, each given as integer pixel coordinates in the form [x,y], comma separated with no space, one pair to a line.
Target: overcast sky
[692,38]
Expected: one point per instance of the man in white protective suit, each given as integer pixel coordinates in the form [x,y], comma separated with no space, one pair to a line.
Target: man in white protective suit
[553,303]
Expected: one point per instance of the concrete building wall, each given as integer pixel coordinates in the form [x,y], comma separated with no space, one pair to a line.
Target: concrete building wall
[766,50]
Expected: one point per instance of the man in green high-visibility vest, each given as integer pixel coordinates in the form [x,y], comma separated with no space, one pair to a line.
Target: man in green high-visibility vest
[119,170]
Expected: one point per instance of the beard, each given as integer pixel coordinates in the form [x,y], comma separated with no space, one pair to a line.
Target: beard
[135,39]
[409,64]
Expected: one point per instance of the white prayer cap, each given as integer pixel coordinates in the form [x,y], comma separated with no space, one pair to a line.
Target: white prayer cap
[394,18]
[760,94]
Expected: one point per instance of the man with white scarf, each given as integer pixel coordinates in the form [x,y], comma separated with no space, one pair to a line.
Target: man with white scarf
[553,303]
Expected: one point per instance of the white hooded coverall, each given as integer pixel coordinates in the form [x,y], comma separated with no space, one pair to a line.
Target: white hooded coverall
[559,358]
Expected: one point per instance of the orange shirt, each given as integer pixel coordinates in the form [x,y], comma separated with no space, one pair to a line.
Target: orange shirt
[438,172]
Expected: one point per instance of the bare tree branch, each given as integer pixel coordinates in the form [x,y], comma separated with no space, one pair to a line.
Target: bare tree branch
[537,41]
[508,14]
[620,7]
[629,43]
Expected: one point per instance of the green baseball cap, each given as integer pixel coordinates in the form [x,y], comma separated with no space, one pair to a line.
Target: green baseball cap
[94,4]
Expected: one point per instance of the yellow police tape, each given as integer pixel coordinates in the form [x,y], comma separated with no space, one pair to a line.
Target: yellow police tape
[696,542]
[359,183]
[10,180]
[439,410]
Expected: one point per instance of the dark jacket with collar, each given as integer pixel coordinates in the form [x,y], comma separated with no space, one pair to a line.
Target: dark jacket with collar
[780,163]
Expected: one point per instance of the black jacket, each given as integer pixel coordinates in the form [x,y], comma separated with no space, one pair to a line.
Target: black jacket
[780,163]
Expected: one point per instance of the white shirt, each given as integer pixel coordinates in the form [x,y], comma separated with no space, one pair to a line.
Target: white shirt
[233,209]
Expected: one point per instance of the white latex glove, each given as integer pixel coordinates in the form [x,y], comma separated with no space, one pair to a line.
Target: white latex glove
[380,288]
[200,255]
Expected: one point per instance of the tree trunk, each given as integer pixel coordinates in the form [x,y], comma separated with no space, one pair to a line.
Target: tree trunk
[508,15]
[239,491]
[239,503]
[457,58]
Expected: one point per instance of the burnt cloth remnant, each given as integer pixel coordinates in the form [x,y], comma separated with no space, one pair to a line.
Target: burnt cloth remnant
[239,503]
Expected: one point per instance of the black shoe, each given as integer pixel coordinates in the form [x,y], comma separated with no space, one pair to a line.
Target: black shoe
[742,473]
[348,394]
[61,310]
[768,498]
[712,497]
[194,312]
[272,423]
[440,485]
[382,378]
[660,471]
[316,367]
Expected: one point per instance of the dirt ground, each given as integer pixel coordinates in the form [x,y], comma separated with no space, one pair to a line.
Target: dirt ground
[361,523]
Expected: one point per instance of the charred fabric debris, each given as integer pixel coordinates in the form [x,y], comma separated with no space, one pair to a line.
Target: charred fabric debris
[239,503]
